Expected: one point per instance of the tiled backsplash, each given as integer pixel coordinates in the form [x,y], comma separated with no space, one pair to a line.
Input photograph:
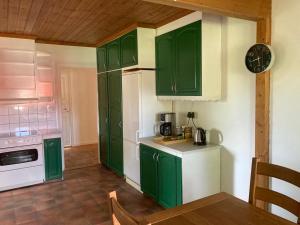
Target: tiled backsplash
[28,117]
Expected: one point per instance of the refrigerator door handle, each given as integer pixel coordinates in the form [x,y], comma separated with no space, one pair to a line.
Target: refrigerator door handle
[137,136]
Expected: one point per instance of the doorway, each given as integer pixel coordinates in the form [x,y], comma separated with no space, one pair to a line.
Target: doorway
[79,116]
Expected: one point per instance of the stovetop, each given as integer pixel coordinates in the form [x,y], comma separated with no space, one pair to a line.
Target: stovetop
[21,138]
[19,134]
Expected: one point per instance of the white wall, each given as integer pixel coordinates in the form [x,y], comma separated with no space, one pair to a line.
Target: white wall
[285,93]
[233,117]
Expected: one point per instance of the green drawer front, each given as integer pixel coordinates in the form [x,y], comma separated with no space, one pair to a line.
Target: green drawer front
[53,159]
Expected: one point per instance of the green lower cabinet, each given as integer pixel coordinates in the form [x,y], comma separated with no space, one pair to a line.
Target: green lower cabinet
[148,171]
[161,176]
[167,179]
[53,159]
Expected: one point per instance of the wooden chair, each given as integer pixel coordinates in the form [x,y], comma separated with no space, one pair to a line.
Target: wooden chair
[118,214]
[270,196]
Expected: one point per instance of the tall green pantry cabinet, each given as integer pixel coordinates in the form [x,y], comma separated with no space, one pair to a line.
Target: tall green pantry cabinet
[115,121]
[110,120]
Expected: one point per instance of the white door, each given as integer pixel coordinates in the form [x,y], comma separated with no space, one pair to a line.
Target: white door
[66,107]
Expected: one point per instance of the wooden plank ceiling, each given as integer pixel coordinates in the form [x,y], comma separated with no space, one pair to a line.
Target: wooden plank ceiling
[79,22]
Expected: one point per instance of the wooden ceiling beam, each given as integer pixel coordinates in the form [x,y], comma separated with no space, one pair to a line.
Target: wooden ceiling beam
[78,44]
[243,9]
[22,36]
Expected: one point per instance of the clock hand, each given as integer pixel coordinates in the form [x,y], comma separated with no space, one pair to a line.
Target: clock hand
[255,59]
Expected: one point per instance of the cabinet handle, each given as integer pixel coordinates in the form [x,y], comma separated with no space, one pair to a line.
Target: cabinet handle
[153,156]
[133,58]
[120,124]
[175,89]
[137,136]
[157,157]
[172,87]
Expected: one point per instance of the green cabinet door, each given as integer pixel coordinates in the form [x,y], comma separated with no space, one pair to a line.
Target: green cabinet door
[188,60]
[115,121]
[148,165]
[129,54]
[53,159]
[101,59]
[113,55]
[103,118]
[168,193]
[164,45]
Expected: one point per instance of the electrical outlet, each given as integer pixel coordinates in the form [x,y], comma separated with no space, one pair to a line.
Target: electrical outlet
[191,115]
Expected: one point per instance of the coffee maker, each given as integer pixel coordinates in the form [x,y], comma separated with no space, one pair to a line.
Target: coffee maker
[167,124]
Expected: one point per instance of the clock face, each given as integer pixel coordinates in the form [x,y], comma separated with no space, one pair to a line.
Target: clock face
[259,58]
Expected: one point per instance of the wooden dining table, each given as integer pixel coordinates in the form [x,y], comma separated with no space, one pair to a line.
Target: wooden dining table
[218,209]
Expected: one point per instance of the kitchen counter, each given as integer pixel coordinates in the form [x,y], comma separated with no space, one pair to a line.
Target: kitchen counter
[178,149]
[49,134]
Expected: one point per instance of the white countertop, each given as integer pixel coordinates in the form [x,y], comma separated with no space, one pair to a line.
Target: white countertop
[52,133]
[178,149]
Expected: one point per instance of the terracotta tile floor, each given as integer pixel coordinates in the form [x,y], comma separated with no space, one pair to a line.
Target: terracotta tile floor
[81,156]
[78,200]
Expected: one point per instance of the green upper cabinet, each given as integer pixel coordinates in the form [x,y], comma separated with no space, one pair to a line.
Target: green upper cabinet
[53,159]
[164,45]
[148,170]
[178,62]
[161,176]
[113,55]
[187,79]
[115,121]
[103,118]
[129,49]
[101,59]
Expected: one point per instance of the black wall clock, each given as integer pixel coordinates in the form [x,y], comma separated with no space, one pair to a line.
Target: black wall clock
[259,58]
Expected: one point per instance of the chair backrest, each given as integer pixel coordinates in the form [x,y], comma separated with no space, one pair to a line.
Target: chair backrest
[118,214]
[270,196]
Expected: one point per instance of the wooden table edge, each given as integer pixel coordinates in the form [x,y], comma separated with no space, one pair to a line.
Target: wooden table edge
[169,213]
[173,212]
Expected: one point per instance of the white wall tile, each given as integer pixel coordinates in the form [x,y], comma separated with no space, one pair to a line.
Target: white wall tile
[33,108]
[24,118]
[4,120]
[4,128]
[42,107]
[3,110]
[13,110]
[33,117]
[14,119]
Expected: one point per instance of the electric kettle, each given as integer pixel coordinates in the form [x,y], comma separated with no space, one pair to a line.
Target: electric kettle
[200,136]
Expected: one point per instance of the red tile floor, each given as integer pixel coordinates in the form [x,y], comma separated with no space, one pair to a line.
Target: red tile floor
[78,200]
[81,156]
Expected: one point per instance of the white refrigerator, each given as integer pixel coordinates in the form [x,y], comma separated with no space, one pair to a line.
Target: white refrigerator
[140,110]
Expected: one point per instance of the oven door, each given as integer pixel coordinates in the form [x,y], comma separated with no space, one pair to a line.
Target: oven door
[21,157]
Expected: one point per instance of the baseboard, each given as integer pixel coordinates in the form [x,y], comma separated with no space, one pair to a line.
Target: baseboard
[83,144]
[133,184]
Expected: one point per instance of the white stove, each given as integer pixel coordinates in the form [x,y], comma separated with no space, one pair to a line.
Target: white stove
[21,160]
